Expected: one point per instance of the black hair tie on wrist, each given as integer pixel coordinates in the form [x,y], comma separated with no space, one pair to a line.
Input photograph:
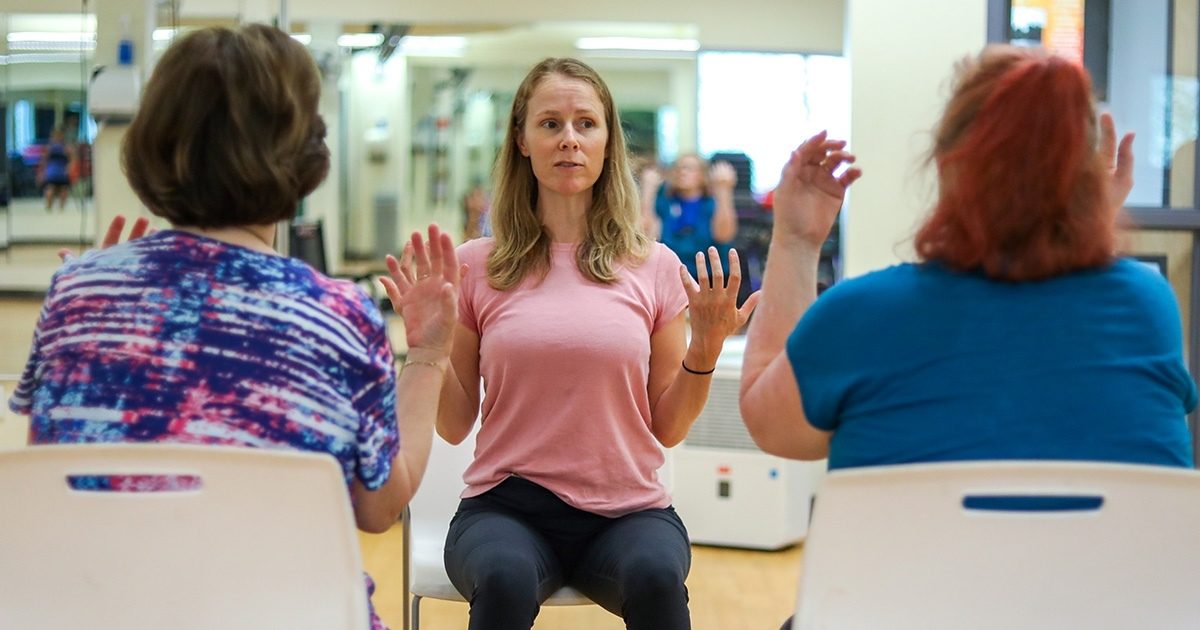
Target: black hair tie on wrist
[691,371]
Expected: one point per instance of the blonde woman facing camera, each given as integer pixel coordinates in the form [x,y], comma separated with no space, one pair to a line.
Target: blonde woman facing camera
[575,323]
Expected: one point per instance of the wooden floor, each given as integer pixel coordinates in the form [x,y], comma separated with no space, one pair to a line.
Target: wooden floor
[729,589]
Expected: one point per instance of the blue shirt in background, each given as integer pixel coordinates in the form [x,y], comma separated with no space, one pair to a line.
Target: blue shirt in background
[917,363]
[687,227]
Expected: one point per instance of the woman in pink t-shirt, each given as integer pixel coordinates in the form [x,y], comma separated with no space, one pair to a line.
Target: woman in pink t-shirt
[575,321]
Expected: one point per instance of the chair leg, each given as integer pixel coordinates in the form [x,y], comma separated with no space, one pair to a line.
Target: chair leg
[406,560]
[416,612]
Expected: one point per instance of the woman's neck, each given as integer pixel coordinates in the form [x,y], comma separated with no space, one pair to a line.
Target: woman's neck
[689,194]
[565,217]
[260,238]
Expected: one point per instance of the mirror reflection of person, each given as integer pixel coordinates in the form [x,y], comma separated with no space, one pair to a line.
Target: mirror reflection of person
[693,209]
[476,213]
[203,333]
[1018,335]
[574,320]
[54,170]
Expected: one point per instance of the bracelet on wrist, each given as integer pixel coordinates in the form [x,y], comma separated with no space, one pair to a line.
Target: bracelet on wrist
[408,362]
[697,372]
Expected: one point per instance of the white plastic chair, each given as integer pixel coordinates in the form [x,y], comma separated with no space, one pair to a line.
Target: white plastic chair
[267,541]
[428,520]
[908,547]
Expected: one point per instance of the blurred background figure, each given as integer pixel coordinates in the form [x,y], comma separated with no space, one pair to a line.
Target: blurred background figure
[54,170]
[693,209]
[476,210]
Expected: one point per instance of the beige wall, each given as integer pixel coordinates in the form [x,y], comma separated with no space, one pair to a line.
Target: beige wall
[1183,58]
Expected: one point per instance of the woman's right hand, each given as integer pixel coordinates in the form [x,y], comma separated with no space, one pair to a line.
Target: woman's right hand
[423,288]
[810,195]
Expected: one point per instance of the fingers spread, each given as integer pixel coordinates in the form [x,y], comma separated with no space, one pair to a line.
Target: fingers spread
[735,272]
[1125,158]
[1108,139]
[113,235]
[702,272]
[689,285]
[718,272]
[140,227]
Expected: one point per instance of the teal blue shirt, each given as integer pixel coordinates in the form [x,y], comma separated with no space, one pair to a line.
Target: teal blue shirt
[916,363]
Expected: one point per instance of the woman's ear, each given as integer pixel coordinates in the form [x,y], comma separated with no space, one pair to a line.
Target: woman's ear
[521,143]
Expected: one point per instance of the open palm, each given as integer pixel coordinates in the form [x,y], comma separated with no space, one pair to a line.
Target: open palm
[423,288]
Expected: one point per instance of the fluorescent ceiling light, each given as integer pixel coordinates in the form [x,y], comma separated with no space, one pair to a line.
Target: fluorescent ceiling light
[637,43]
[303,38]
[360,40]
[163,34]
[446,46]
[51,40]
[47,36]
[48,57]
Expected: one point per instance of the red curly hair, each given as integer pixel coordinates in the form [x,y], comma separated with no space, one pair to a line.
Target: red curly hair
[1021,182]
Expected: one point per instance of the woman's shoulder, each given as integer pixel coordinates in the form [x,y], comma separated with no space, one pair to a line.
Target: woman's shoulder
[476,249]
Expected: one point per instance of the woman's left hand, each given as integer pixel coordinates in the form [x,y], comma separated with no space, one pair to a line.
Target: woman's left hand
[712,304]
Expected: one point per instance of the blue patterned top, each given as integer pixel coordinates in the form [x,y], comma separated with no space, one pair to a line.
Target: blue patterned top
[180,338]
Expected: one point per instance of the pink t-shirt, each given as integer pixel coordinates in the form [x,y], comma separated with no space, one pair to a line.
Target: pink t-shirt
[565,364]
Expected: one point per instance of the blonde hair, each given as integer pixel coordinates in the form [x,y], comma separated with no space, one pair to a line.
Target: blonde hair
[612,235]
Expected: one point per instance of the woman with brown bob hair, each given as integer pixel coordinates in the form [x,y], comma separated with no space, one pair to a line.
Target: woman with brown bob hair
[1020,334]
[203,333]
[575,323]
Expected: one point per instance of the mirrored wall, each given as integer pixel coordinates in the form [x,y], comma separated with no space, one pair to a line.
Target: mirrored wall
[425,109]
[45,185]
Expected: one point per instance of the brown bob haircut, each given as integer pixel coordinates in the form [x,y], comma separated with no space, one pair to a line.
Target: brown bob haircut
[227,132]
[1021,180]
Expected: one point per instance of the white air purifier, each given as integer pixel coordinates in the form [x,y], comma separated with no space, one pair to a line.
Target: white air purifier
[727,491]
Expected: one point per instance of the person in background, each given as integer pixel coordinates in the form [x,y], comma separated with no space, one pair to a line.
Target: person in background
[203,333]
[575,323]
[54,171]
[1019,333]
[693,210]
[476,213]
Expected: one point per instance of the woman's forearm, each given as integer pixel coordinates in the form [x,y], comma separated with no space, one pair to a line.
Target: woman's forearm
[789,288]
[724,221]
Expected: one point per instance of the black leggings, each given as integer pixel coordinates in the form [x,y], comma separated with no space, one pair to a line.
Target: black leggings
[513,546]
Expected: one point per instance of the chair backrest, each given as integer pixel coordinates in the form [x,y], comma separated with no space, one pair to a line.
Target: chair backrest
[429,513]
[436,500]
[267,540]
[944,546]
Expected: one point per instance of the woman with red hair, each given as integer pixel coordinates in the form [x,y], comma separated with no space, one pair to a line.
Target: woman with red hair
[1019,334]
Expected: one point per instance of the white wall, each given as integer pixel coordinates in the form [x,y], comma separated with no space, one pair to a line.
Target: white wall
[375,93]
[901,55]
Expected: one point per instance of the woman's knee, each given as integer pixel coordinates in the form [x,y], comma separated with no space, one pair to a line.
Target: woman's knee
[654,577]
[507,573]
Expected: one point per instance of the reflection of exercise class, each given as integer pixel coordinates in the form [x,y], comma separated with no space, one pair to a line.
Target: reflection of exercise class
[522,317]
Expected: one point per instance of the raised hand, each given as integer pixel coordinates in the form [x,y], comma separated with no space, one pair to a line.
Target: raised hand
[712,303]
[650,179]
[423,288]
[722,176]
[141,227]
[1118,159]
[810,193]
